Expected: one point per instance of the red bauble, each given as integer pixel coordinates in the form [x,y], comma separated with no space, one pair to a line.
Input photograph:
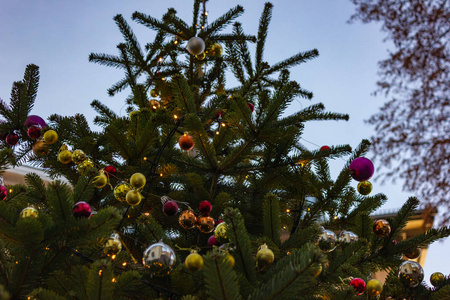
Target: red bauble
[3,192]
[34,131]
[251,106]
[81,210]
[324,148]
[205,207]
[110,171]
[212,241]
[359,285]
[361,169]
[12,139]
[170,208]
[186,142]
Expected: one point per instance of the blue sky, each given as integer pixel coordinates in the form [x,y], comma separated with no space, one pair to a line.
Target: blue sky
[59,35]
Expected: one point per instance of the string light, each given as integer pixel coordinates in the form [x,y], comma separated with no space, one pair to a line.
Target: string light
[206,13]
[175,42]
[217,132]
[223,125]
[100,273]
[175,117]
[145,158]
[10,191]
[161,174]
[113,257]
[146,214]
[113,280]
[163,79]
[288,210]
[124,264]
[160,59]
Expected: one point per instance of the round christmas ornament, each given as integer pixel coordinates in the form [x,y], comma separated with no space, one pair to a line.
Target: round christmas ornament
[133,197]
[81,210]
[437,279]
[50,137]
[159,258]
[216,50]
[35,120]
[364,188]
[170,208]
[374,287]
[316,269]
[201,56]
[361,169]
[153,93]
[34,131]
[205,224]
[154,104]
[113,245]
[40,148]
[187,219]
[230,259]
[186,142]
[412,253]
[205,207]
[137,180]
[110,171]
[78,156]
[194,261]
[100,180]
[347,237]
[324,148]
[85,166]
[327,240]
[220,233]
[12,139]
[264,256]
[359,285]
[121,190]
[381,228]
[212,241]
[195,45]
[410,273]
[3,192]
[64,157]
[29,212]
[251,106]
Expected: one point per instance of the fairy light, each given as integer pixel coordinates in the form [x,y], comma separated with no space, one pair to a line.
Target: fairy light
[309,208]
[100,273]
[284,227]
[113,257]
[10,191]
[146,214]
[217,132]
[223,125]
[113,280]
[175,42]
[160,59]
[161,174]
[163,79]
[206,13]
[335,217]
[175,117]
[124,264]
[145,158]
[17,262]
[288,210]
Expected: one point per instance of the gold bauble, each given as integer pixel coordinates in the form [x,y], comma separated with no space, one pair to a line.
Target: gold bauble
[29,212]
[413,253]
[374,288]
[230,259]
[50,137]
[100,180]
[112,246]
[220,233]
[137,180]
[201,56]
[40,148]
[437,279]
[153,93]
[78,156]
[216,50]
[187,219]
[194,261]
[364,187]
[264,255]
[134,197]
[205,224]
[381,228]
[85,166]
[121,190]
[154,104]
[65,157]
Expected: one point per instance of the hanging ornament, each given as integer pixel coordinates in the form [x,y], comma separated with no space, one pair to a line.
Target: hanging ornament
[327,240]
[50,137]
[220,233]
[34,131]
[35,120]
[194,261]
[324,148]
[110,171]
[381,228]
[195,45]
[201,56]
[347,237]
[364,188]
[154,104]
[3,191]
[121,190]
[229,259]
[12,139]
[186,142]
[187,219]
[112,246]
[412,253]
[215,50]
[251,106]
[137,180]
[133,197]
[205,207]
[205,224]
[212,241]
[64,156]
[40,148]
[159,258]
[374,287]
[100,180]
[153,93]
[361,169]
[359,285]
[410,273]
[316,269]
[29,212]
[437,279]
[85,166]
[264,256]
[170,208]
[78,156]
[81,210]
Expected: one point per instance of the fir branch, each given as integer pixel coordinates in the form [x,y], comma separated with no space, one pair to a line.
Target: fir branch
[297,59]
[131,39]
[107,60]
[153,23]
[222,21]
[262,33]
[271,218]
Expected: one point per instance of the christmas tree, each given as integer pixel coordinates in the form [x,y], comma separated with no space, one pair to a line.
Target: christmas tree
[204,191]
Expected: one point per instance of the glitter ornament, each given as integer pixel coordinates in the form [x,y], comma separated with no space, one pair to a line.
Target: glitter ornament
[212,241]
[327,240]
[374,287]
[64,157]
[264,256]
[194,261]
[121,190]
[35,120]
[220,233]
[410,273]
[81,210]
[437,279]
[364,188]
[12,139]
[251,106]
[50,137]
[137,180]
[359,285]
[361,169]
[113,245]
[413,253]
[205,224]
[85,166]
[205,207]
[381,228]
[110,171]
[170,208]
[100,180]
[154,104]
[134,197]
[78,156]
[187,219]
[159,258]
[347,237]
[40,148]
[215,50]
[3,192]
[186,142]
[195,45]
[153,93]
[29,212]
[34,131]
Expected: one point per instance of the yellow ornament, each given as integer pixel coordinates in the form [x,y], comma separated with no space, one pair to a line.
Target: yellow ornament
[230,259]
[153,93]
[29,212]
[40,148]
[134,197]
[121,190]
[374,287]
[216,50]
[100,180]
[194,261]
[78,156]
[137,180]
[220,233]
[113,245]
[65,157]
[50,137]
[264,255]
[85,166]
[201,56]
[316,269]
[133,114]
[154,104]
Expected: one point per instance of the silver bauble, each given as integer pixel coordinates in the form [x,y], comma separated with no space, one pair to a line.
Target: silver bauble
[195,45]
[410,273]
[159,258]
[347,237]
[327,240]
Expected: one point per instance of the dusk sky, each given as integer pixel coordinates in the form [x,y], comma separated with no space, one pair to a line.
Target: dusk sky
[58,36]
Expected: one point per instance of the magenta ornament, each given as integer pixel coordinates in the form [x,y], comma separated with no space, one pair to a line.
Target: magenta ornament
[35,120]
[212,241]
[361,169]
[81,210]
[3,192]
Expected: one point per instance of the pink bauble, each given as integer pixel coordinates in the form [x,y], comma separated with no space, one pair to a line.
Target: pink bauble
[35,120]
[212,241]
[3,192]
[251,106]
[81,210]
[359,285]
[205,207]
[170,208]
[361,169]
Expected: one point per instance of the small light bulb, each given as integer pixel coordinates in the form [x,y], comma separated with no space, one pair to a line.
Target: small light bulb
[175,42]
[288,210]
[175,117]
[206,13]
[10,191]
[161,174]
[163,79]
[113,280]
[335,217]
[145,158]
[160,59]
[124,264]
[203,27]
[113,257]
[146,214]
[223,125]
[217,132]
[100,273]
